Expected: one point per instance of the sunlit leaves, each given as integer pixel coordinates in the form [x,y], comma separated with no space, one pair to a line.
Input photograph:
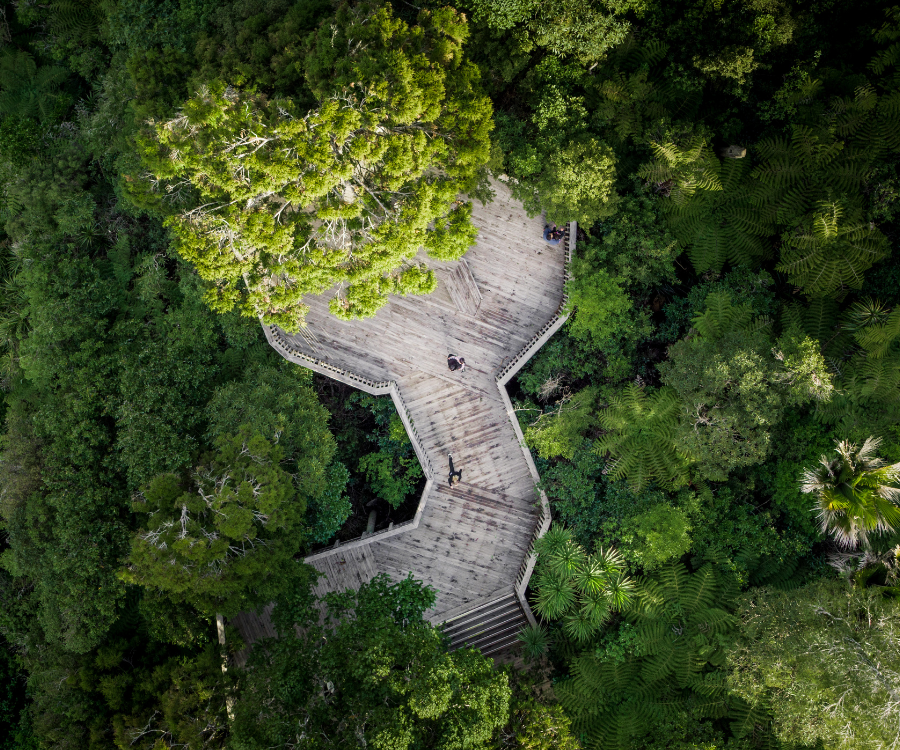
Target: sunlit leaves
[581,589]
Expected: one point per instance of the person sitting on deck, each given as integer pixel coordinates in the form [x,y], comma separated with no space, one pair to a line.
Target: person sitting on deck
[553,234]
[456,363]
[455,476]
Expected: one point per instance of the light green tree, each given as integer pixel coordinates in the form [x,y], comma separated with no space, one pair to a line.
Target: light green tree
[857,493]
[585,30]
[271,202]
[559,431]
[220,536]
[823,661]
[656,536]
[734,383]
[576,183]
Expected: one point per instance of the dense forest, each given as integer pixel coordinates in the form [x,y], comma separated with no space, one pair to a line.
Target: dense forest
[717,426]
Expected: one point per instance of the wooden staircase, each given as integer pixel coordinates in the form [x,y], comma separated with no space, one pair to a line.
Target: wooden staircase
[490,627]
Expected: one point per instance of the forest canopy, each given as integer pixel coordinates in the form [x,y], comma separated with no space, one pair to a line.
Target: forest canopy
[716,426]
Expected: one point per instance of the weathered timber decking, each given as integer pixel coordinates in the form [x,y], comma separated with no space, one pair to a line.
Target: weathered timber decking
[470,542]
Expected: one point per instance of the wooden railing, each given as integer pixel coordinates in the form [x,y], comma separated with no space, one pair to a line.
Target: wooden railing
[503,377]
[553,325]
[377,388]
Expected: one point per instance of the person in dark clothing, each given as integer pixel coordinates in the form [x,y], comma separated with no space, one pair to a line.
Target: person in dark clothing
[455,476]
[456,363]
[553,234]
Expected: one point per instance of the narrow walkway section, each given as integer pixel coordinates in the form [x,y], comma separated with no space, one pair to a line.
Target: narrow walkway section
[470,542]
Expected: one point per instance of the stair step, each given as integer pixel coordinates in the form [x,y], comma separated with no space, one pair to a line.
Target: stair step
[488,620]
[489,628]
[508,630]
[454,621]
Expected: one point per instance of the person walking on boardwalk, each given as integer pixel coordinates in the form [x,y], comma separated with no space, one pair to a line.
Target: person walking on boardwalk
[455,476]
[456,363]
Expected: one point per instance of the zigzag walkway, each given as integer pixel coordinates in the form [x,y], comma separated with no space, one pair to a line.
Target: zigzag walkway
[470,542]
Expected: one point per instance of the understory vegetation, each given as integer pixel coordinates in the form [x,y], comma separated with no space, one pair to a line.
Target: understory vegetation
[717,425]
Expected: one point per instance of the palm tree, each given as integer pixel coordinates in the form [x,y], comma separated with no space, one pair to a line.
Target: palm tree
[858,493]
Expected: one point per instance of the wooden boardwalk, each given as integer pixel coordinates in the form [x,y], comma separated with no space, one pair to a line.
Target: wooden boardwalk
[470,541]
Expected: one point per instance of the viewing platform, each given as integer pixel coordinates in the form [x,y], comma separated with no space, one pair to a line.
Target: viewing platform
[495,308]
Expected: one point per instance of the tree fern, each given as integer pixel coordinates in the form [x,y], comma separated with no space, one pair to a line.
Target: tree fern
[640,437]
[75,19]
[27,90]
[813,166]
[580,589]
[679,617]
[680,625]
[679,171]
[819,320]
[722,317]
[722,226]
[831,251]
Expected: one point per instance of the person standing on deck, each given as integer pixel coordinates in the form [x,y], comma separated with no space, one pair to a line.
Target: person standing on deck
[455,476]
[456,363]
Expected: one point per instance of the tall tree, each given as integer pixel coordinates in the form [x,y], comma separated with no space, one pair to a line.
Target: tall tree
[272,202]
[823,659]
[374,671]
[734,384]
[221,536]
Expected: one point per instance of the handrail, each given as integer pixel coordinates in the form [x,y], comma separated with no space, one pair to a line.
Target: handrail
[503,377]
[553,325]
[378,388]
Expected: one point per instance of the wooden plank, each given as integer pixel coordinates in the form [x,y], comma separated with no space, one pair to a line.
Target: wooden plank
[463,289]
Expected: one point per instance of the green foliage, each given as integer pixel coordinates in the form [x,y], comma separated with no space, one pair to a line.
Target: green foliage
[857,493]
[576,183]
[734,385]
[635,248]
[393,471]
[298,227]
[601,305]
[821,660]
[641,431]
[14,729]
[326,512]
[657,536]
[564,27]
[796,174]
[827,255]
[680,631]
[580,589]
[277,403]
[558,433]
[680,171]
[386,677]
[719,226]
[535,725]
[221,536]
[29,91]
[535,641]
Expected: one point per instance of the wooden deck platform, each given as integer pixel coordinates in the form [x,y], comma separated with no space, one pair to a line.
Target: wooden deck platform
[472,539]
